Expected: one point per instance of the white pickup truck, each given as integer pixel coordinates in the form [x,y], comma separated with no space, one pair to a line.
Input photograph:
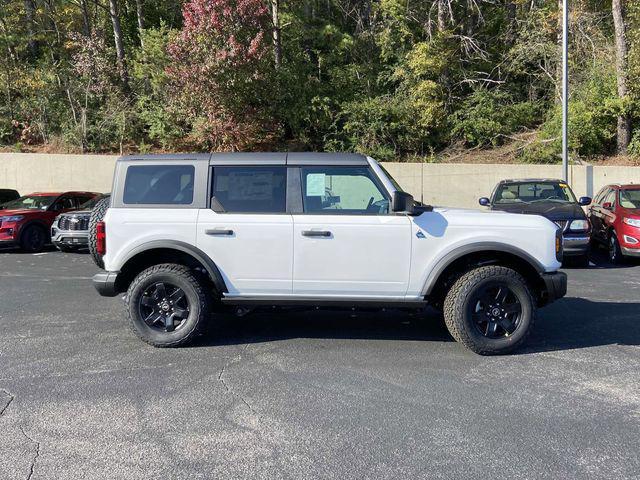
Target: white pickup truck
[186,236]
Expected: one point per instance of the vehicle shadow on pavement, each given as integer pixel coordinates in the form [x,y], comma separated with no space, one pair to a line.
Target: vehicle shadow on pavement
[572,323]
[288,324]
[17,251]
[599,259]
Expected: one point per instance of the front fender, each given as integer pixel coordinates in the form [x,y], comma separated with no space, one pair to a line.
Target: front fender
[454,254]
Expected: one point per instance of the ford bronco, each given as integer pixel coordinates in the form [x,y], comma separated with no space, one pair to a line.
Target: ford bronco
[186,236]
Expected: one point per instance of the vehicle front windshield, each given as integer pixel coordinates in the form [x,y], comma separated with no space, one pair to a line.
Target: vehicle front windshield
[630,198]
[395,184]
[31,202]
[529,192]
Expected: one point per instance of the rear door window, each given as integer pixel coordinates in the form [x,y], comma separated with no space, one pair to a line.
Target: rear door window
[159,185]
[64,203]
[249,189]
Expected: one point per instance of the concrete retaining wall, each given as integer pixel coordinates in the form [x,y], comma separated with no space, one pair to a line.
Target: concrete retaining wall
[457,185]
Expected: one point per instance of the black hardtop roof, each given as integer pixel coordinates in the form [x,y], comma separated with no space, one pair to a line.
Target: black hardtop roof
[257,158]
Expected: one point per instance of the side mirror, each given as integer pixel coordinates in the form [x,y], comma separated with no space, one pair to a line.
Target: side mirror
[402,202]
[484,201]
[607,205]
[584,201]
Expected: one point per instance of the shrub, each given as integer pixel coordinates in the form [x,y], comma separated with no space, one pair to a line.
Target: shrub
[634,146]
[487,116]
[390,126]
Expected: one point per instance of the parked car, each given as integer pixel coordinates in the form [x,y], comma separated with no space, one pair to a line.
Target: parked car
[26,221]
[187,236]
[70,231]
[6,195]
[615,216]
[552,199]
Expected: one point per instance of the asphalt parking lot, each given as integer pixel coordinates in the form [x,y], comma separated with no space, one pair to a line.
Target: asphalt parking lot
[312,396]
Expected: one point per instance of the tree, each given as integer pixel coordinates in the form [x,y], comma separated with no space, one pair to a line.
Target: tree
[277,40]
[220,69]
[119,42]
[622,51]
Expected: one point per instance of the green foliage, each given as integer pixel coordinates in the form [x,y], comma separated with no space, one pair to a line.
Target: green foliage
[386,77]
[593,111]
[487,117]
[634,145]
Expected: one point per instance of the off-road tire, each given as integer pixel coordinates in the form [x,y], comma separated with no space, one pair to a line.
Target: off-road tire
[33,239]
[198,296]
[460,324]
[97,215]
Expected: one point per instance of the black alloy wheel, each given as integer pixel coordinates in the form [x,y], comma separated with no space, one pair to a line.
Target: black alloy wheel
[615,253]
[33,239]
[495,311]
[164,307]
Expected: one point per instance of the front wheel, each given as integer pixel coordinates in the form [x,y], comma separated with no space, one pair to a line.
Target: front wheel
[615,252]
[490,310]
[167,305]
[33,239]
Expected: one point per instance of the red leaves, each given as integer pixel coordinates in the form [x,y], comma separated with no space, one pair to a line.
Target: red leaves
[219,60]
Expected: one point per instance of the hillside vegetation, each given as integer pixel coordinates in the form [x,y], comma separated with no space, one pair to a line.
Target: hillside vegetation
[397,79]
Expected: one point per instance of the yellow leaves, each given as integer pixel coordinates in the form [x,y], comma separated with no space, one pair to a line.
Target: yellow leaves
[393,8]
[427,59]
[426,100]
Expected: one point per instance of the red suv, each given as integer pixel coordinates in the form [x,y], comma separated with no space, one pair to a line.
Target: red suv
[26,221]
[615,218]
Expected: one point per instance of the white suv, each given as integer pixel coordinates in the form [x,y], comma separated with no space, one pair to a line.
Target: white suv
[187,235]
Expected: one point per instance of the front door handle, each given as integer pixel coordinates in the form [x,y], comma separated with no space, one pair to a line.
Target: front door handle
[316,233]
[218,231]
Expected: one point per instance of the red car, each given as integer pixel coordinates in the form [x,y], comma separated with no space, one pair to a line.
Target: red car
[615,219]
[26,221]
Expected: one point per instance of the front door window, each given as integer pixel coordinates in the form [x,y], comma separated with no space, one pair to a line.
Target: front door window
[342,191]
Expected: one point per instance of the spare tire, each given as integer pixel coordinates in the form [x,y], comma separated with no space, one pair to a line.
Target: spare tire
[97,214]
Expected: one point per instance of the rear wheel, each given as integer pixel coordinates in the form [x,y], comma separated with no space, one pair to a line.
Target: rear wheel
[33,239]
[490,310]
[167,305]
[615,253]
[97,215]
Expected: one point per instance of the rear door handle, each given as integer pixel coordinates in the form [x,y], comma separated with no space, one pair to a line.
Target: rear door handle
[316,233]
[218,231]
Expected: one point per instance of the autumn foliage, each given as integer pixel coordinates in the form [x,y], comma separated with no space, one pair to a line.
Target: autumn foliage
[220,58]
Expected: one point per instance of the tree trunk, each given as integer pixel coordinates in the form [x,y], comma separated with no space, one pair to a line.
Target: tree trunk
[140,16]
[86,23]
[442,15]
[32,43]
[118,39]
[277,41]
[622,48]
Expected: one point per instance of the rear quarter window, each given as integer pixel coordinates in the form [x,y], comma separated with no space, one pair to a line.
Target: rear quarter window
[159,185]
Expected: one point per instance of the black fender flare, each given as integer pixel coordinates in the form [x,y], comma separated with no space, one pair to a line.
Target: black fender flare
[459,252]
[209,265]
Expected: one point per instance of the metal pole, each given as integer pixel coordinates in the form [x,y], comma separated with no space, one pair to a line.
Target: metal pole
[565,89]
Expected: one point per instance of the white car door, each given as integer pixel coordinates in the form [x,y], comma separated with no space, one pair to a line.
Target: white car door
[346,242]
[247,232]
